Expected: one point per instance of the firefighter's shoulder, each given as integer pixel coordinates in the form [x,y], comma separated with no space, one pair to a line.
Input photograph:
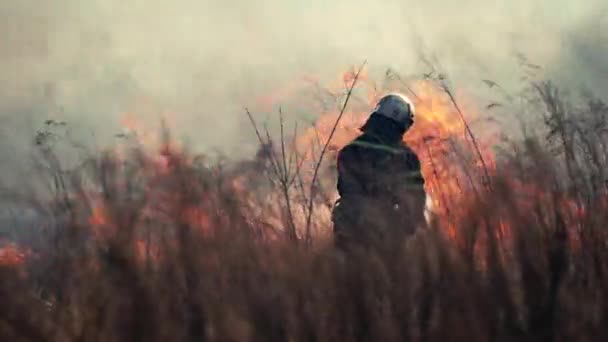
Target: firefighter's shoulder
[408,151]
[347,154]
[364,142]
[409,156]
[347,149]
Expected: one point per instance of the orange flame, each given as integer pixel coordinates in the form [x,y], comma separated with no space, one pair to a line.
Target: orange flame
[12,255]
[436,124]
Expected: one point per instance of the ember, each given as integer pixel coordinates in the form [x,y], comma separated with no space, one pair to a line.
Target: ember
[11,254]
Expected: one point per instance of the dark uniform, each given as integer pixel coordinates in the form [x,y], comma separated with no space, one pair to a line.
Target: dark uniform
[381,191]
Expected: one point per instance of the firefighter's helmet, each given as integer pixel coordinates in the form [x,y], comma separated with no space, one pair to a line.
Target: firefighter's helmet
[397,107]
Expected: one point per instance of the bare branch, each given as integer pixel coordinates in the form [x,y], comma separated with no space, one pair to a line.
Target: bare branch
[331,134]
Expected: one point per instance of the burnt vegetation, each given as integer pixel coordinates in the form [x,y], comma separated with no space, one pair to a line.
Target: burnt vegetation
[167,246]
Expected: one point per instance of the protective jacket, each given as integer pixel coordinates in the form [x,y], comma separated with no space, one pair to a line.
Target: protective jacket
[381,190]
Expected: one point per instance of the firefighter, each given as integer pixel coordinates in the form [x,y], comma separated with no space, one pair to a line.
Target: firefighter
[380,183]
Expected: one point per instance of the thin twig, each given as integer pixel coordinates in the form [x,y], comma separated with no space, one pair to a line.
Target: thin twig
[294,150]
[331,134]
[283,155]
[273,158]
[284,181]
[390,72]
[279,168]
[447,90]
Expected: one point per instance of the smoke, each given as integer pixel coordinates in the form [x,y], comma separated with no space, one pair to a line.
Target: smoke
[199,63]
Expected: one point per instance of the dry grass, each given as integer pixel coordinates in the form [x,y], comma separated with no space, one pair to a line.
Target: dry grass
[172,254]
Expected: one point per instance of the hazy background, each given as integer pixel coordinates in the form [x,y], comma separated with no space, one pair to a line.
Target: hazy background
[201,62]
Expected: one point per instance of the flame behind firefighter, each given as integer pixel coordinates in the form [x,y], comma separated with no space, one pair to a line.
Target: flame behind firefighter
[381,187]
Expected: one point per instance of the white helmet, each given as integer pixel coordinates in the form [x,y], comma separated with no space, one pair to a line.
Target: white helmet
[397,107]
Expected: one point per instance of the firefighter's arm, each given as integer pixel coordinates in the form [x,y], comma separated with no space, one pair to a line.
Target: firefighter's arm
[410,182]
[346,166]
[411,177]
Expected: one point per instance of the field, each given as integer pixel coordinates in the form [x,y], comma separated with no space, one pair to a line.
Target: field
[160,244]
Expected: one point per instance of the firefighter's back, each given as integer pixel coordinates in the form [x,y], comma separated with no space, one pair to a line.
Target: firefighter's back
[369,173]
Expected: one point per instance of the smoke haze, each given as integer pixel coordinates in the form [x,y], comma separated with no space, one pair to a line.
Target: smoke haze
[202,62]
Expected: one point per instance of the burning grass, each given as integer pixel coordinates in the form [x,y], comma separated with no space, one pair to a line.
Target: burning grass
[164,245]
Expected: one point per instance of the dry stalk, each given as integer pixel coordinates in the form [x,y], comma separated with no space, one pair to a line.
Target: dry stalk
[323,151]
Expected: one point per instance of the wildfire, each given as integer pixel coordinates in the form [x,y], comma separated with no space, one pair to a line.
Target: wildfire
[436,136]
